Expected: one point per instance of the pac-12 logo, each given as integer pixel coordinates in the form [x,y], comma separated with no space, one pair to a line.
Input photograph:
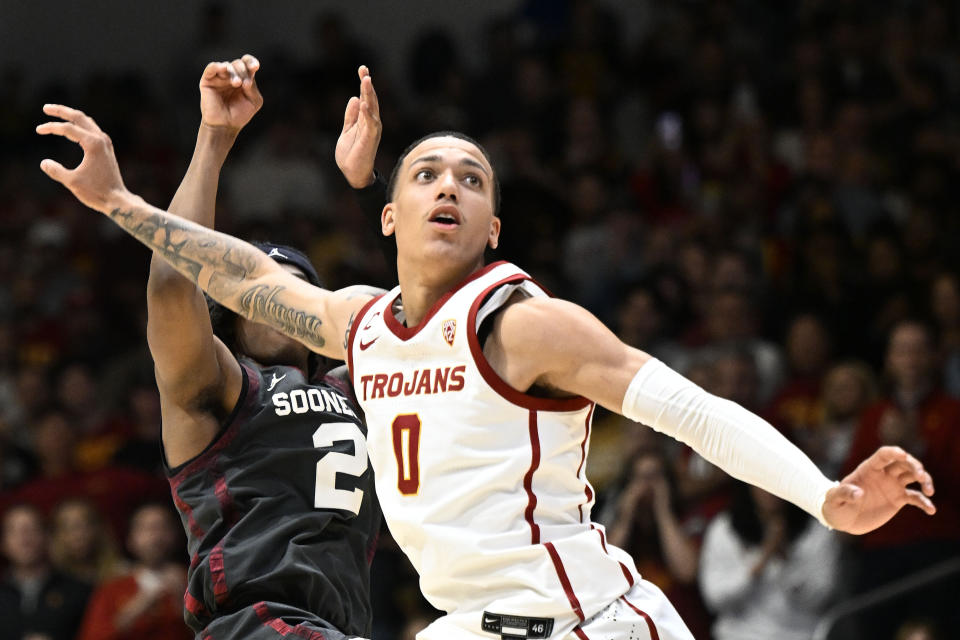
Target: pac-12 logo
[449,330]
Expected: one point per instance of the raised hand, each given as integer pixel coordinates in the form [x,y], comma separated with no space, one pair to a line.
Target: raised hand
[357,146]
[96,180]
[876,490]
[229,96]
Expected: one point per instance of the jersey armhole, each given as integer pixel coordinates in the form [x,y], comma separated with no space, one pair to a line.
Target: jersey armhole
[477,324]
[172,472]
[354,328]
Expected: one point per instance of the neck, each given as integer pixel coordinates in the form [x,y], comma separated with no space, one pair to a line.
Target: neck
[31,572]
[421,286]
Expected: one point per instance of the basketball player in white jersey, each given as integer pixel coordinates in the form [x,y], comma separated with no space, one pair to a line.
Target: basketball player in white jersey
[478,389]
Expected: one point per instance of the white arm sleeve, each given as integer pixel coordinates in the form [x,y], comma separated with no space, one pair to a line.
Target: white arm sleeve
[739,442]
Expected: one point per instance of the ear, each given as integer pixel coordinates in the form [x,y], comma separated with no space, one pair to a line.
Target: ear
[494,239]
[387,220]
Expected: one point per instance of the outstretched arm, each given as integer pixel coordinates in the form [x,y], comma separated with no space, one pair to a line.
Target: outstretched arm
[191,364]
[233,272]
[558,345]
[356,154]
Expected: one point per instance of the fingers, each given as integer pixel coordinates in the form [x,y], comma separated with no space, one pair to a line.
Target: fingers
[920,501]
[351,113]
[252,64]
[368,96]
[75,116]
[54,169]
[906,468]
[67,130]
[238,72]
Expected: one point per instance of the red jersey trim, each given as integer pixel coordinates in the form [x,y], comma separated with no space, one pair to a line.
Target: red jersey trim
[565,581]
[353,334]
[528,479]
[580,634]
[643,614]
[623,567]
[405,333]
[491,377]
[587,491]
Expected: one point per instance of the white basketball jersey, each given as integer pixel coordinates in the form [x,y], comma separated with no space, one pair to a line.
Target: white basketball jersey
[483,487]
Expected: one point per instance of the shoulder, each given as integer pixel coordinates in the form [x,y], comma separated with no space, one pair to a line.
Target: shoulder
[535,321]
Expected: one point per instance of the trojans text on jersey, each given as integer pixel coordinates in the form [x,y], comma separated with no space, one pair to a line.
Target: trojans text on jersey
[420,382]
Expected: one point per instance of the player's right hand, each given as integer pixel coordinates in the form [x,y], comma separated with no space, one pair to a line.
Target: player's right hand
[229,96]
[357,145]
[96,181]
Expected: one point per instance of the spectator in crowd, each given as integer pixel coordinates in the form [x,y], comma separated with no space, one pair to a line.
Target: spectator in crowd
[37,602]
[647,522]
[848,388]
[767,570]
[917,415]
[795,406]
[945,311]
[115,491]
[146,602]
[81,545]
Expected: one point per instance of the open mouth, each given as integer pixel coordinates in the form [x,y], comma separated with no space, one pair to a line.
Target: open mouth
[445,217]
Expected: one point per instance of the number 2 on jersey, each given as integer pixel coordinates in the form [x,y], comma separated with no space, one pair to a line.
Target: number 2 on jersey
[327,496]
[406,446]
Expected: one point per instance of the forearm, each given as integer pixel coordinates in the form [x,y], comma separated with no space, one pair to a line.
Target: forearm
[729,436]
[679,552]
[233,272]
[196,197]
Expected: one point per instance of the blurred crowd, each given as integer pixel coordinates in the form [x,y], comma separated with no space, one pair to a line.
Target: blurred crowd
[763,195]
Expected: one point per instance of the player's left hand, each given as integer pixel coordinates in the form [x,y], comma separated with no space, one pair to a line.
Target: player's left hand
[876,490]
[96,181]
[358,142]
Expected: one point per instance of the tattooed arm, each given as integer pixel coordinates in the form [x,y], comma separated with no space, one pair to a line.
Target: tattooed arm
[233,272]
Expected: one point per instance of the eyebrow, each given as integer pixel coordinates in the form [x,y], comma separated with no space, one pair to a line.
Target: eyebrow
[467,161]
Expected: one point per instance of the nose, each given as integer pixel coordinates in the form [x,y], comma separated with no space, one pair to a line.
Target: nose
[447,186]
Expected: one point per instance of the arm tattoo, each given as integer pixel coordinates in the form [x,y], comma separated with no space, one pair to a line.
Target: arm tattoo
[226,264]
[346,335]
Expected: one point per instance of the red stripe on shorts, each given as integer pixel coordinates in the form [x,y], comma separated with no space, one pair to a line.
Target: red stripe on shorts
[528,479]
[653,629]
[565,581]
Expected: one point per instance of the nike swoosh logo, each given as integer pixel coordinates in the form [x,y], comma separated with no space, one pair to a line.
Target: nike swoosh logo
[366,345]
[489,620]
[275,380]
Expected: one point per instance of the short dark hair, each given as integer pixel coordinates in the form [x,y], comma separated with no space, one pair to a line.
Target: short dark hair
[392,182]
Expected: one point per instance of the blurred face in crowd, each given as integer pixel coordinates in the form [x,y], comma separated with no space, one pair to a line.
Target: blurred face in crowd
[267,345]
[24,538]
[945,300]
[76,389]
[53,443]
[76,528]
[736,378]
[639,319]
[910,357]
[730,316]
[153,535]
[845,392]
[443,206]
[807,345]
